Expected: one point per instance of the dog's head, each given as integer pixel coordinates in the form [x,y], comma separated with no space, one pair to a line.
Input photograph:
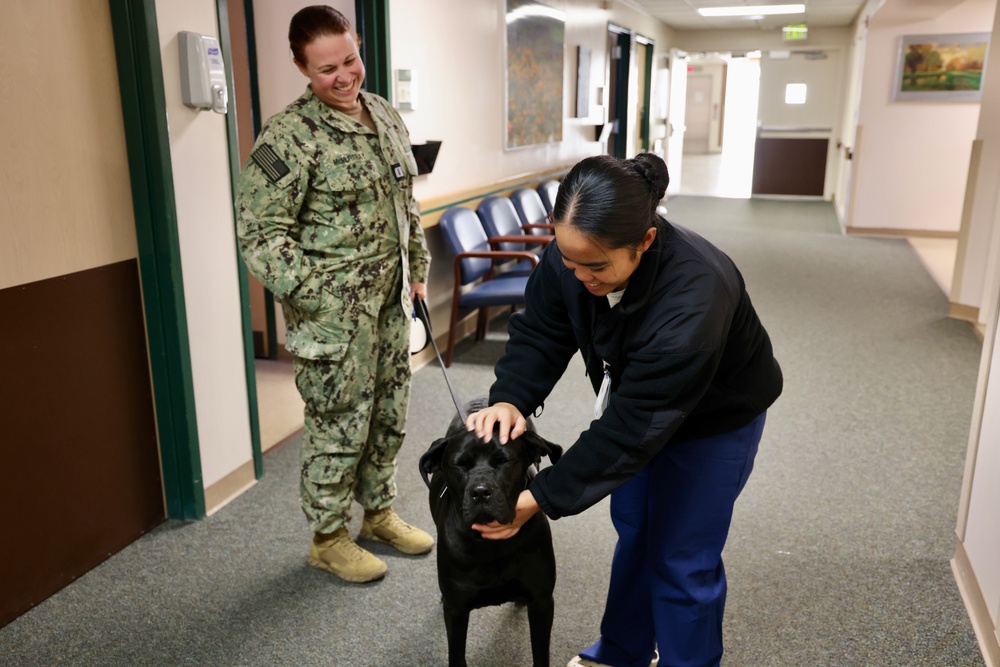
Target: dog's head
[485,478]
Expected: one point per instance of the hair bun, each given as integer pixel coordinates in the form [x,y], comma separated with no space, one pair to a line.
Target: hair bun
[654,170]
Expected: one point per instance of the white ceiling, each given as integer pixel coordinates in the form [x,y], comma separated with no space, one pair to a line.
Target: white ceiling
[683,14]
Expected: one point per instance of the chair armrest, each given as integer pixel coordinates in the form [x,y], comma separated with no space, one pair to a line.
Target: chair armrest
[494,255]
[499,254]
[520,238]
[539,225]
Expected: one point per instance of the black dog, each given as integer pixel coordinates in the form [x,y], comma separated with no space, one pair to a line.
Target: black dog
[478,482]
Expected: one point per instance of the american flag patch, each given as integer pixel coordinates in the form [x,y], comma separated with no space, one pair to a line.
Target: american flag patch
[269,162]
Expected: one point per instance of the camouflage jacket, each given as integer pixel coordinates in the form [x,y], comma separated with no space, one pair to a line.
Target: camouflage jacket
[325,208]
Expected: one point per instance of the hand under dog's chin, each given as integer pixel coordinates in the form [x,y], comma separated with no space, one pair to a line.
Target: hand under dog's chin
[485,517]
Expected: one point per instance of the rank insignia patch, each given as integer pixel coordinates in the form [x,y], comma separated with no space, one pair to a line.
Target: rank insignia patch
[269,162]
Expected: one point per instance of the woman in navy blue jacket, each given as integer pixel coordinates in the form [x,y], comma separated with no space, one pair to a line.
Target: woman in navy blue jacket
[683,371]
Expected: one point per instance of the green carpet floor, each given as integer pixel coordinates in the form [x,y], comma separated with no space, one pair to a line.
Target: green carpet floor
[839,551]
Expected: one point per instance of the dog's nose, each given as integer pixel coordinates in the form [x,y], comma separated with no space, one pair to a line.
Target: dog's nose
[480,493]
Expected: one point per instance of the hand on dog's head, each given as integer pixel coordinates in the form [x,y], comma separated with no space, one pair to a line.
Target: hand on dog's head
[485,478]
[529,446]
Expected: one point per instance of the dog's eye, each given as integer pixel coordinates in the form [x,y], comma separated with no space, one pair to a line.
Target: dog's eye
[497,459]
[465,463]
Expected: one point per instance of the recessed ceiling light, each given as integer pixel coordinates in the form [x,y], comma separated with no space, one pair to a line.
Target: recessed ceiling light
[749,10]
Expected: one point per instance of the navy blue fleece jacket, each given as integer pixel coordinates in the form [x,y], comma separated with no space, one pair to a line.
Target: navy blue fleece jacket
[687,355]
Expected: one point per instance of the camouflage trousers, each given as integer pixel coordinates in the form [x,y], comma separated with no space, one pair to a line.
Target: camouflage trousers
[355,413]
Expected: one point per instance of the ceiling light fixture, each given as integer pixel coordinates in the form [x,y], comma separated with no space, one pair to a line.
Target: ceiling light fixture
[535,11]
[749,10]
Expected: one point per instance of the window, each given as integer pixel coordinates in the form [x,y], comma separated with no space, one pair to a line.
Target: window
[795,93]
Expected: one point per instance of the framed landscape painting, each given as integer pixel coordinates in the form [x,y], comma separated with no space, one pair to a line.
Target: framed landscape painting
[941,67]
[534,44]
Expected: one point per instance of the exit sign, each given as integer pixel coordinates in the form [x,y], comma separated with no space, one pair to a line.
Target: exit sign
[794,32]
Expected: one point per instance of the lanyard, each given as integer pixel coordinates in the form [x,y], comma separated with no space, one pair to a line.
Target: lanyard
[604,395]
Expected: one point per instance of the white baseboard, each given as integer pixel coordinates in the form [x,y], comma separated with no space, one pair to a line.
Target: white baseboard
[979,612]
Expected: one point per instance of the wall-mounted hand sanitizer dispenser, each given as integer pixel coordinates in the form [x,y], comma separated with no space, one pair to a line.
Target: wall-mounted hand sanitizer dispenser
[203,75]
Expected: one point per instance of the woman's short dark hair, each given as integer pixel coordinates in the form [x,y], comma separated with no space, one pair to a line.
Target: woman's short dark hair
[312,22]
[611,199]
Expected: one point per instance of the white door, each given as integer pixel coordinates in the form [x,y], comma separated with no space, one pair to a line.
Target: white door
[675,118]
[800,107]
[698,113]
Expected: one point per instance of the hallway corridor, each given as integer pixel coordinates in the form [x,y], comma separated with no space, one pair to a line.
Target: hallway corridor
[838,554]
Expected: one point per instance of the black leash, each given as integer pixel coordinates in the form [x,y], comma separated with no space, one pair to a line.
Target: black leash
[421,310]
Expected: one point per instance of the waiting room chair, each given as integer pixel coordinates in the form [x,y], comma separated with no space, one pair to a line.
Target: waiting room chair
[502,223]
[477,284]
[531,210]
[548,190]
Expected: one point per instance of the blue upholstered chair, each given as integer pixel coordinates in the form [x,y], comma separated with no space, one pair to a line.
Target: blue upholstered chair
[548,190]
[531,211]
[477,283]
[503,224]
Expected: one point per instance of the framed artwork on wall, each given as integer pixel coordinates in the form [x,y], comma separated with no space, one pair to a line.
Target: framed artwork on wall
[941,67]
[534,78]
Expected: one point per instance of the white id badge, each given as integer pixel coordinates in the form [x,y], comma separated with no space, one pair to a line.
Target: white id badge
[604,394]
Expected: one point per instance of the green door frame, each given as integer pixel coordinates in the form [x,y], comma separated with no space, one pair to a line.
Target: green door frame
[372,18]
[140,77]
[647,90]
[232,135]
[623,41]
[270,317]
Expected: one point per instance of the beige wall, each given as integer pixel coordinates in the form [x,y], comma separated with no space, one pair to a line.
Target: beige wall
[460,91]
[205,224]
[456,50]
[977,559]
[912,157]
[978,261]
[707,41]
[65,198]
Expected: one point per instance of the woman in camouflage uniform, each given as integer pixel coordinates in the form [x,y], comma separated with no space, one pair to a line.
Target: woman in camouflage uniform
[328,223]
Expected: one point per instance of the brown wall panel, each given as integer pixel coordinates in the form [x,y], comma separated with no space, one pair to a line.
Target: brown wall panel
[79,463]
[789,166]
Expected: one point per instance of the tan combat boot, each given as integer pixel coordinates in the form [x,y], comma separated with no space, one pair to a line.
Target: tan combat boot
[337,553]
[386,526]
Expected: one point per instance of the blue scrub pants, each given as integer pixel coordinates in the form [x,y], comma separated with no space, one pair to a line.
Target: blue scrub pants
[668,584]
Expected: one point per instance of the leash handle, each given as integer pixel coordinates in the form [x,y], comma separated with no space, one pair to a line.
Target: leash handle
[426,317]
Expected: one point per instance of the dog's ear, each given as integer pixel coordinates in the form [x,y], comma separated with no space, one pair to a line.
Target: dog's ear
[537,447]
[430,462]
